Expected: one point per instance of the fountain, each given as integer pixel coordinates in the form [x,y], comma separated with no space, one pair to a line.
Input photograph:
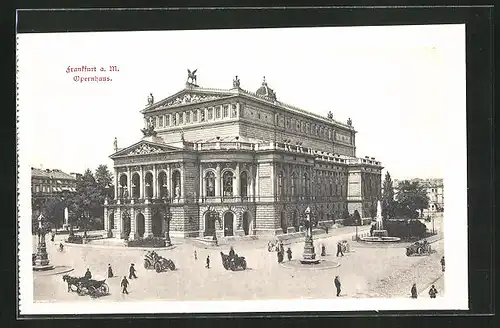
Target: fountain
[379,234]
[42,258]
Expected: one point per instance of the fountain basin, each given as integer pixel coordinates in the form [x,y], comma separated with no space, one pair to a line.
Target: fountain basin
[380,239]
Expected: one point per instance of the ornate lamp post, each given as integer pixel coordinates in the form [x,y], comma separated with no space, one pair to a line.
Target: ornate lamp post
[42,258]
[309,256]
[167,229]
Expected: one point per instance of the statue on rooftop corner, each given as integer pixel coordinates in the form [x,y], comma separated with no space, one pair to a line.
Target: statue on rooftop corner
[151,99]
[192,76]
[115,144]
[236,82]
[349,121]
[330,115]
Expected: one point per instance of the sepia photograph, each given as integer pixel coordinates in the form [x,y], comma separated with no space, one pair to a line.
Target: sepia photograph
[243,170]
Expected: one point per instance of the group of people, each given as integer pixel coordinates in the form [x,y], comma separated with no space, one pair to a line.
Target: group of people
[432,291]
[124,283]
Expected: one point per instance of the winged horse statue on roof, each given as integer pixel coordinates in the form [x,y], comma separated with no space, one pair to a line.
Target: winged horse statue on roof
[192,76]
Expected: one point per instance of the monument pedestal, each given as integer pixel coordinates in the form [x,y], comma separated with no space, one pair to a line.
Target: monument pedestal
[309,256]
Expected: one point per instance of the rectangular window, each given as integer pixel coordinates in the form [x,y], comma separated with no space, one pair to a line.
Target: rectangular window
[202,115]
[174,119]
[225,112]
[195,115]
[181,118]
[210,113]
[167,120]
[161,122]
[217,112]
[188,116]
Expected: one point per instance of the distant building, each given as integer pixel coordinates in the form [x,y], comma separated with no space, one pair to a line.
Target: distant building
[435,192]
[46,183]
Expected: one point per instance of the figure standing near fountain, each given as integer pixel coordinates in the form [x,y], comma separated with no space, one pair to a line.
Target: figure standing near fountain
[339,249]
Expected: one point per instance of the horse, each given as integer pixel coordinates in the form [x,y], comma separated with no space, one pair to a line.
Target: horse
[75,281]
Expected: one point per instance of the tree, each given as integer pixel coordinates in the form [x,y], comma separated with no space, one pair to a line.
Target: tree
[412,197]
[356,218]
[388,203]
[104,180]
[85,203]
[53,211]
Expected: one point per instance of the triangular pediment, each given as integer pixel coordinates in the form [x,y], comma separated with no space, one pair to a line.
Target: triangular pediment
[189,96]
[144,147]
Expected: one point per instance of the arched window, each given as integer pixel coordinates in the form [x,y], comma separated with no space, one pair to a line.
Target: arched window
[227,184]
[281,186]
[136,185]
[176,183]
[210,184]
[162,180]
[294,184]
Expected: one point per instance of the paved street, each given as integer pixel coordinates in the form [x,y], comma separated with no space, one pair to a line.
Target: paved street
[365,272]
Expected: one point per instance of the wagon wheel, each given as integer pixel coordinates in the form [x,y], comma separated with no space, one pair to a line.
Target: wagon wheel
[420,251]
[232,266]
[429,249]
[244,264]
[158,267]
[83,291]
[74,288]
[147,264]
[408,252]
[104,289]
[92,291]
[171,265]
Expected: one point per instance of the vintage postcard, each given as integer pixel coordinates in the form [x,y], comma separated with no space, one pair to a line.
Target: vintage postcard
[249,170]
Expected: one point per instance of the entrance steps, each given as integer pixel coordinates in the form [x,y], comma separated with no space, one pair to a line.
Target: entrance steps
[208,240]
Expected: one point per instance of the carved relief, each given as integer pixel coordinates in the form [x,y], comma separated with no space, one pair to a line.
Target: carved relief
[145,149]
[189,98]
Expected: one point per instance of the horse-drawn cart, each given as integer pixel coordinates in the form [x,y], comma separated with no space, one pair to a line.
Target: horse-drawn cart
[84,286]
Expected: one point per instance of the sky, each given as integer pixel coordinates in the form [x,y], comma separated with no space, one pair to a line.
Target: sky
[396,83]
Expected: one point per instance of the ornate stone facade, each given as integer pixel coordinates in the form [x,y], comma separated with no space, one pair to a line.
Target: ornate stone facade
[231,162]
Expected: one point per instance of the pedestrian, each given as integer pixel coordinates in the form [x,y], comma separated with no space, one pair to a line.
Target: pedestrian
[323,250]
[110,271]
[442,264]
[414,293]
[208,262]
[339,249]
[231,252]
[280,256]
[52,236]
[195,255]
[124,285]
[289,253]
[132,272]
[336,281]
[433,291]
[88,275]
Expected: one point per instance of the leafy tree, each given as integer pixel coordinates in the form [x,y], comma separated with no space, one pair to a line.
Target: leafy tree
[412,197]
[356,218]
[85,203]
[104,180]
[388,202]
[53,211]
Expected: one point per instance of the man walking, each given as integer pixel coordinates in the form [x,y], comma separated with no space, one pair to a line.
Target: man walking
[433,291]
[414,293]
[442,264]
[124,285]
[132,272]
[339,249]
[208,262]
[336,281]
[195,255]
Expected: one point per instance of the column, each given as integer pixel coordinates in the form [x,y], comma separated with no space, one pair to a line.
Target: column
[155,182]
[257,192]
[147,220]
[129,182]
[237,110]
[217,180]
[236,188]
[182,181]
[169,182]
[202,183]
[141,196]
[116,183]
[273,179]
[118,222]
[133,225]
[106,219]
